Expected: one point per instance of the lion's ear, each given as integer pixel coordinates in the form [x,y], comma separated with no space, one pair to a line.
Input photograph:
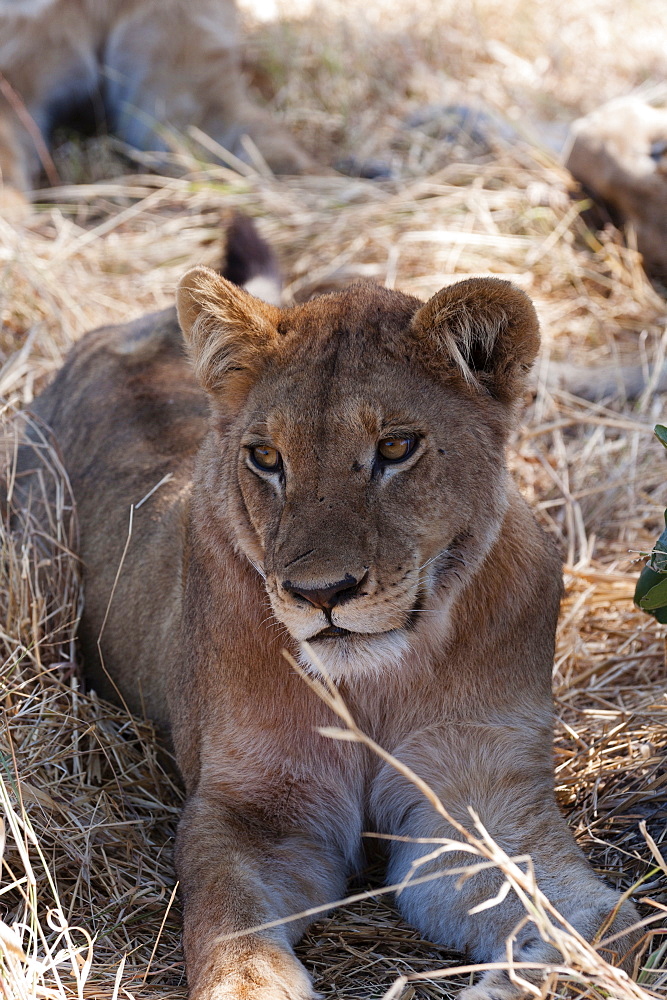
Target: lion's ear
[227,330]
[482,332]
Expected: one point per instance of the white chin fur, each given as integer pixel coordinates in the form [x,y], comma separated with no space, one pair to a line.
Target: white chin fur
[355,656]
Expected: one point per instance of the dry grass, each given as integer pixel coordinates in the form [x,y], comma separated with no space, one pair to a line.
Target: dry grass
[89,804]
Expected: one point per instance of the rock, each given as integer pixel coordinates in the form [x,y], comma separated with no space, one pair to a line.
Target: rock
[463,124]
[371,169]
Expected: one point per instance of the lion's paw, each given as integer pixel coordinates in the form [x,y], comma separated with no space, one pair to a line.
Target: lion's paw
[274,976]
[494,985]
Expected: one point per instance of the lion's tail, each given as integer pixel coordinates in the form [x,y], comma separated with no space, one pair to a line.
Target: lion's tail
[250,262]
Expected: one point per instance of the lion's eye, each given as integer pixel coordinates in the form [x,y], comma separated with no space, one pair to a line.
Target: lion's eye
[265,457]
[397,447]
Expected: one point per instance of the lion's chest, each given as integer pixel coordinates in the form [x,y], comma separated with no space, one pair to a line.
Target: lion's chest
[288,783]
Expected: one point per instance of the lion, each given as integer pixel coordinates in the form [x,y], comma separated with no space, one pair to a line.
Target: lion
[617,153]
[331,479]
[144,69]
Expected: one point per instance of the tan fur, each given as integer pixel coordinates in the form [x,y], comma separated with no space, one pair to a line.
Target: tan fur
[447,660]
[618,153]
[149,67]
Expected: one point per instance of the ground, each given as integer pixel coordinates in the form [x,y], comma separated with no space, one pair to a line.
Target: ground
[89,822]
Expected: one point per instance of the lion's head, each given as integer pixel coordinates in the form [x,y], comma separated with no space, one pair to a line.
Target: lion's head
[359,449]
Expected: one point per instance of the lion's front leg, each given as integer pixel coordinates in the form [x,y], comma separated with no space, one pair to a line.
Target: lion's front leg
[235,876]
[508,783]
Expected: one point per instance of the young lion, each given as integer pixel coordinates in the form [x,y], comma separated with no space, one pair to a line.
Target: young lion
[334,472]
[138,67]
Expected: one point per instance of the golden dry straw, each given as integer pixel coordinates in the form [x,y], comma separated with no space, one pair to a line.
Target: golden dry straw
[89,804]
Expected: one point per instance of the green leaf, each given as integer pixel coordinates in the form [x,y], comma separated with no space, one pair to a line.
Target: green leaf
[654,598]
[651,589]
[658,558]
[648,578]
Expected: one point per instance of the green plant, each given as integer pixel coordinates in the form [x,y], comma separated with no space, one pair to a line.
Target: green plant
[651,589]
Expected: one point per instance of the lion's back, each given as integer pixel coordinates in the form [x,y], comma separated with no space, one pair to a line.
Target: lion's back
[125,407]
[128,419]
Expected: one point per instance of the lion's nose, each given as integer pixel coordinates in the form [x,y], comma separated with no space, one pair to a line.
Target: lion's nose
[328,597]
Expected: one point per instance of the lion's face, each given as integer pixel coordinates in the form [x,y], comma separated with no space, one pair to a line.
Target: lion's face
[362,493]
[364,475]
